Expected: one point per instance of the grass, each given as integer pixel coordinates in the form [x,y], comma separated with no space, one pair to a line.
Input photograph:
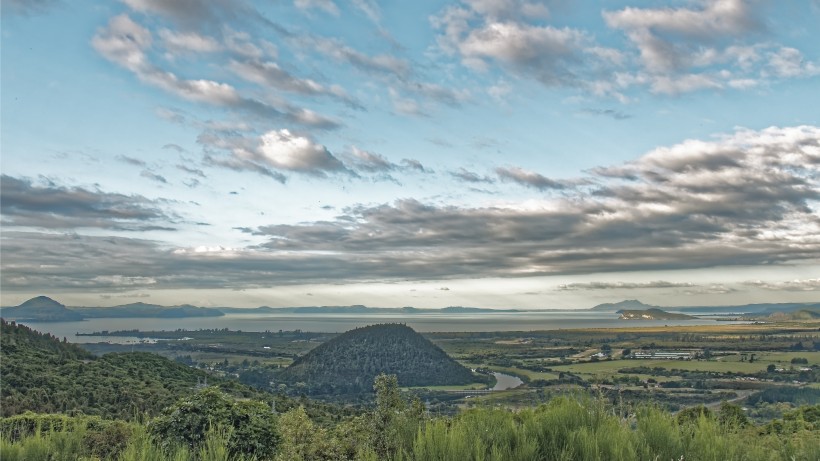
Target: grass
[451,388]
[516,371]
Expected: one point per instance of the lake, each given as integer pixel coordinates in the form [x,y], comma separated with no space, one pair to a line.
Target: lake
[337,323]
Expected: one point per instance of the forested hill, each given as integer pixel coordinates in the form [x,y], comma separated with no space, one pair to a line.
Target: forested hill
[42,374]
[350,362]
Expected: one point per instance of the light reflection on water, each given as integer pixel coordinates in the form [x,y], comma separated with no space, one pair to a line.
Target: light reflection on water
[337,323]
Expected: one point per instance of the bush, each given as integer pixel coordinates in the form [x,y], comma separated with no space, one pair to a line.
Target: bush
[252,424]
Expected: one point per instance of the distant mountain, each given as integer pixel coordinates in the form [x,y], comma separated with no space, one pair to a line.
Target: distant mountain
[651,314]
[144,310]
[348,363]
[810,313]
[627,304]
[41,309]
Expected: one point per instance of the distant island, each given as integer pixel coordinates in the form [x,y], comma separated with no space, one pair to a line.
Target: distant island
[651,314]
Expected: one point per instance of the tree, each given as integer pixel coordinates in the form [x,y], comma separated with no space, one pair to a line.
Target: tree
[732,416]
[771,368]
[251,424]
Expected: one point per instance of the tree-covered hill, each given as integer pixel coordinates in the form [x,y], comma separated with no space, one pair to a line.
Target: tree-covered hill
[349,363]
[42,374]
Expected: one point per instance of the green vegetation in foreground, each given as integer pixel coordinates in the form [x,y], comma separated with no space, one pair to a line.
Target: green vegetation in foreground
[213,426]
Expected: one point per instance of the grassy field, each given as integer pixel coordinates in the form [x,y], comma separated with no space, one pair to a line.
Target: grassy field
[516,371]
[451,388]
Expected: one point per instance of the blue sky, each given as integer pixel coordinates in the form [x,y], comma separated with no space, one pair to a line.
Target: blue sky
[493,153]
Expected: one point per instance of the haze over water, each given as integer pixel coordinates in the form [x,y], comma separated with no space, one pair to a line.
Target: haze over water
[337,323]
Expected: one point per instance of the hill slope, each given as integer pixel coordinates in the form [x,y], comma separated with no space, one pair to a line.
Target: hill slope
[626,304]
[349,362]
[44,375]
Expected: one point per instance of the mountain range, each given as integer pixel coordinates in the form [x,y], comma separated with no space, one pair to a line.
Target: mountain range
[45,309]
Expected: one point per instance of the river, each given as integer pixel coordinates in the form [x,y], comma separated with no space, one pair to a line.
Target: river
[504,382]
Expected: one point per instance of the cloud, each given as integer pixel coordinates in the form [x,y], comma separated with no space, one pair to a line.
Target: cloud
[612,113]
[131,160]
[746,198]
[370,162]
[528,178]
[471,177]
[325,5]
[415,165]
[370,8]
[49,206]
[788,285]
[478,34]
[197,13]
[188,42]
[28,7]
[667,38]
[335,49]
[622,285]
[153,176]
[274,150]
[269,74]
[126,43]
[194,171]
[710,46]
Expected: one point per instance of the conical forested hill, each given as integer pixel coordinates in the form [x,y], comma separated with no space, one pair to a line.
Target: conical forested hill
[349,362]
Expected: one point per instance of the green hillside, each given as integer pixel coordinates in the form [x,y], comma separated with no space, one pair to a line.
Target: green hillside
[349,363]
[44,375]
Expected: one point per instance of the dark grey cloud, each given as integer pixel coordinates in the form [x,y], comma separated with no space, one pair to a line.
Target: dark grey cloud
[153,176]
[529,178]
[131,160]
[194,171]
[50,206]
[468,176]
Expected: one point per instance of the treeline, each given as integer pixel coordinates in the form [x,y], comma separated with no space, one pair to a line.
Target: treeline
[214,426]
[44,375]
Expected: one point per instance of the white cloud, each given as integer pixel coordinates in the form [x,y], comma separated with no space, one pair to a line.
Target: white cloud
[325,5]
[188,42]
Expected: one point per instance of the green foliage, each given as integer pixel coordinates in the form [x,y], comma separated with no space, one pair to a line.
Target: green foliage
[44,375]
[350,362]
[251,425]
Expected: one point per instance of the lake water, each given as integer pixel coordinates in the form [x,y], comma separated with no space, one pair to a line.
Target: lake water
[504,382]
[337,323]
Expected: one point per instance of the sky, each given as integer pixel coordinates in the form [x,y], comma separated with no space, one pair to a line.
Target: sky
[488,153]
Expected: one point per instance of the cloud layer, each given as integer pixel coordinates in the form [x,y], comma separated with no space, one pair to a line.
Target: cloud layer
[749,198]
